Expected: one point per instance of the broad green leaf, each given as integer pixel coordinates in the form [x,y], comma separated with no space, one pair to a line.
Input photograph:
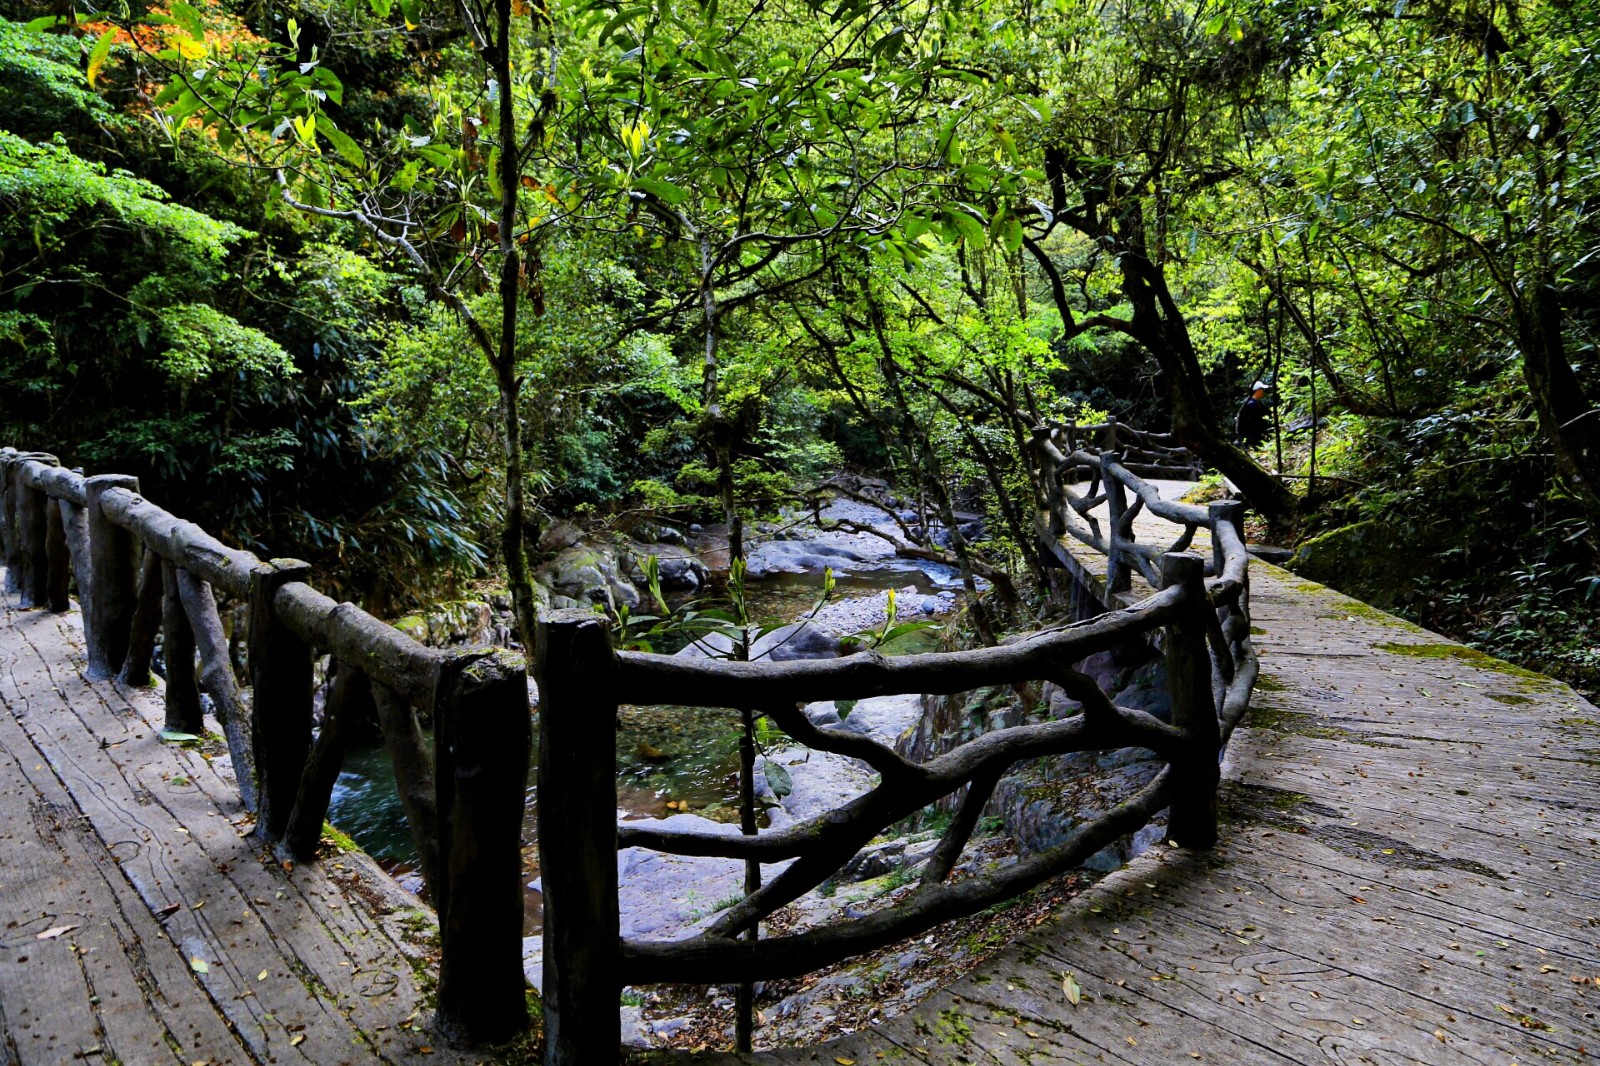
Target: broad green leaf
[175,737]
[97,54]
[188,17]
[341,141]
[778,779]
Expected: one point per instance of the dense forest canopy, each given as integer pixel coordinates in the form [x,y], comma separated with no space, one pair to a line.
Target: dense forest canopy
[391,286]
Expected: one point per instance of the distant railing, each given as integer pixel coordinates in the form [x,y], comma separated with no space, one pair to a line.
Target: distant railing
[1201,625]
[139,570]
[1145,453]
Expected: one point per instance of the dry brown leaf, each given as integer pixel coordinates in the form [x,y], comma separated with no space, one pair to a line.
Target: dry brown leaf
[51,934]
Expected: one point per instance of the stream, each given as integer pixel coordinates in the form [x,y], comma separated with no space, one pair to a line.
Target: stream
[669,759]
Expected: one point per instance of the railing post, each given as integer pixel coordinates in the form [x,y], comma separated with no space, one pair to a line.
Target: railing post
[57,555]
[578,839]
[1231,512]
[483,734]
[349,700]
[1192,821]
[1119,576]
[281,695]
[108,615]
[145,625]
[9,553]
[33,529]
[177,641]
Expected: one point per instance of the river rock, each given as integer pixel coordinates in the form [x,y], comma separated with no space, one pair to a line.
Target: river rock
[675,572]
[810,556]
[560,535]
[590,574]
[883,718]
[821,781]
[798,640]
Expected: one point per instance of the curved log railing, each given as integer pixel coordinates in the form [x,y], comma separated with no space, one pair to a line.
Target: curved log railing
[1201,625]
[139,570]
[1144,452]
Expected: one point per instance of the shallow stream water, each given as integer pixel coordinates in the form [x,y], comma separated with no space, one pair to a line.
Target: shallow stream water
[669,759]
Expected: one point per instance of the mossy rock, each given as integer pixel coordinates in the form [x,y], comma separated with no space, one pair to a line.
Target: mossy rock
[1369,560]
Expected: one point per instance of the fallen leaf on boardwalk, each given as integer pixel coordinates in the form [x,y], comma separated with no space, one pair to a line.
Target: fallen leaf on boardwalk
[51,934]
[175,736]
[1357,899]
[169,910]
[1069,987]
[262,976]
[296,1041]
[845,1062]
[199,965]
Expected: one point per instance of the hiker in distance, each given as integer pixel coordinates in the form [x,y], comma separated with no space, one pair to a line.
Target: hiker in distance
[1254,417]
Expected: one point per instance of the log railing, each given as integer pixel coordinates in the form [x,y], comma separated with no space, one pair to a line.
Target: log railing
[456,724]
[1144,452]
[1115,482]
[1200,624]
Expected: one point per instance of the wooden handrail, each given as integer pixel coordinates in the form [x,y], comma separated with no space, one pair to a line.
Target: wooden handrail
[59,529]
[1211,667]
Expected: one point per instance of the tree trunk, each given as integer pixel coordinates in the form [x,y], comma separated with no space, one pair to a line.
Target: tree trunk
[1567,418]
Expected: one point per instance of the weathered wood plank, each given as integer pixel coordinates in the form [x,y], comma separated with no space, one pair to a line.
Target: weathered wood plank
[169,816]
[115,982]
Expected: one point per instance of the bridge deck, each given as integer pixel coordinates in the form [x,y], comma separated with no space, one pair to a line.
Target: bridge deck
[1409,873]
[139,921]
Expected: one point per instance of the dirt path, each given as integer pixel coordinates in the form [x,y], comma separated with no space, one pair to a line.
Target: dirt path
[1409,873]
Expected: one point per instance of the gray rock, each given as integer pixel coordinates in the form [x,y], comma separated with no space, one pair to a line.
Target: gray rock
[590,574]
[634,1032]
[883,718]
[695,528]
[559,536]
[800,557]
[798,640]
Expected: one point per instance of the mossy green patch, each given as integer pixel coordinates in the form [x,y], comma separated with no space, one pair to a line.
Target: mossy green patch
[1510,699]
[1368,613]
[1267,683]
[340,840]
[1473,656]
[1588,723]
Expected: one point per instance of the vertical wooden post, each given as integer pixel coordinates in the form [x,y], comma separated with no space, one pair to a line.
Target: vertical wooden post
[146,623]
[1192,822]
[578,839]
[57,556]
[484,737]
[1119,576]
[349,701]
[9,546]
[281,684]
[33,529]
[1231,512]
[75,526]
[177,649]
[108,615]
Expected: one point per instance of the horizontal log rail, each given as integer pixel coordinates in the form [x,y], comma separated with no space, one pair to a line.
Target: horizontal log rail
[1198,612]
[456,725]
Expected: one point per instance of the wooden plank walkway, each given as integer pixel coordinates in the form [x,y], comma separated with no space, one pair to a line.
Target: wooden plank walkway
[140,923]
[1409,873]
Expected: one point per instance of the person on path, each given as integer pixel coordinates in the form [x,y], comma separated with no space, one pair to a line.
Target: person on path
[1254,417]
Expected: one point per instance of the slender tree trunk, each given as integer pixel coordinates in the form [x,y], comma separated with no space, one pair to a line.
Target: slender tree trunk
[513,545]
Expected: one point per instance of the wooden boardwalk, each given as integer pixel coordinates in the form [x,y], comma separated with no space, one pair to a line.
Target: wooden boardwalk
[141,923]
[1409,873]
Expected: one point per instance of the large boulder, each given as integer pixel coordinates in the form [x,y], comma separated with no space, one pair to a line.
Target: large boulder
[590,574]
[800,557]
[883,718]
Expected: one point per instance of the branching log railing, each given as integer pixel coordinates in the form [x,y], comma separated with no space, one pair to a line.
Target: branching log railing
[1201,625]
[1144,452]
[456,724]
